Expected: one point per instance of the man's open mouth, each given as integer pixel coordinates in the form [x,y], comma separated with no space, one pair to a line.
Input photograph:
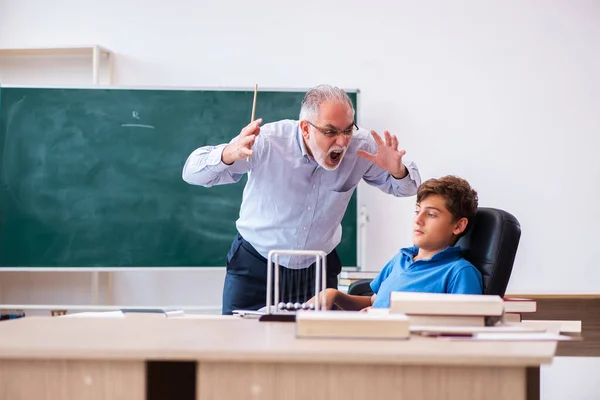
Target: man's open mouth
[336,156]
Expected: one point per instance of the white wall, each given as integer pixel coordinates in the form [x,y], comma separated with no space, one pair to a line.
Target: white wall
[570,378]
[503,93]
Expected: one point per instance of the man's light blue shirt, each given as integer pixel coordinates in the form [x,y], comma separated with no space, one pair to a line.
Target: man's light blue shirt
[289,201]
[445,272]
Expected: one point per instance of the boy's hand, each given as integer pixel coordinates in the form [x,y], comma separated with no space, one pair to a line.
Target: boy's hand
[366,309]
[330,296]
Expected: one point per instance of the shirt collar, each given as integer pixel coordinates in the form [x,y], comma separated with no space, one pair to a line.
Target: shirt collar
[448,253]
[301,143]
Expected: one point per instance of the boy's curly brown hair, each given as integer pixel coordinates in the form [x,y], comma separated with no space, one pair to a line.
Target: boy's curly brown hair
[461,198]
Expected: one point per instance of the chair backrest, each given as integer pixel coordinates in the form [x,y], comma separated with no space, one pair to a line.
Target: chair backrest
[491,246]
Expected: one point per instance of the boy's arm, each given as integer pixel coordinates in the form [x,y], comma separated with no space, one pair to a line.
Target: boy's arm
[334,297]
[352,303]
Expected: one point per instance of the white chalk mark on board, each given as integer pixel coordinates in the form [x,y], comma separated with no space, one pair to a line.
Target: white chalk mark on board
[136,115]
[138,126]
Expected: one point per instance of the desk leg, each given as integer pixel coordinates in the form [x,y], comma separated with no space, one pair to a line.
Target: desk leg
[72,380]
[171,380]
[269,381]
[533,383]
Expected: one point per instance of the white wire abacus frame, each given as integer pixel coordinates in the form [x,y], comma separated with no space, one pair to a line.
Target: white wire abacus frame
[273,281]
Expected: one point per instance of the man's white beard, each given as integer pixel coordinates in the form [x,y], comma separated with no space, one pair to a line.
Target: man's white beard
[320,156]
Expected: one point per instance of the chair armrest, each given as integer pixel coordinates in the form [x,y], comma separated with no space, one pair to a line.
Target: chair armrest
[361,288]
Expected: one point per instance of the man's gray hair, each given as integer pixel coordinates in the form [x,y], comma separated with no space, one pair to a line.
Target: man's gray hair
[319,94]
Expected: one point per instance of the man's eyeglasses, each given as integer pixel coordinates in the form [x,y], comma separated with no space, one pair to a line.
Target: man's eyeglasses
[331,133]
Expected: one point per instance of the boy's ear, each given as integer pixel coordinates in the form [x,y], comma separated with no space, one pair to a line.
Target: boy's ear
[460,226]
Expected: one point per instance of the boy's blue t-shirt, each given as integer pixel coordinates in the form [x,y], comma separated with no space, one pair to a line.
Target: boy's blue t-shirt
[445,272]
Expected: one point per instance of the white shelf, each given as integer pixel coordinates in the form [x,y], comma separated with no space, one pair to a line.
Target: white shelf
[69,50]
[95,51]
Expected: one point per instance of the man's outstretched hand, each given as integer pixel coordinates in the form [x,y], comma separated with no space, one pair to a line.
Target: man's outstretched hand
[388,157]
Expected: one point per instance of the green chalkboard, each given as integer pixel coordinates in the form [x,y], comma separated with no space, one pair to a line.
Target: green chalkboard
[92,177]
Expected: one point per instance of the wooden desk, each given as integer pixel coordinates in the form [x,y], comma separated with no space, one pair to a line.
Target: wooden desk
[580,307]
[234,358]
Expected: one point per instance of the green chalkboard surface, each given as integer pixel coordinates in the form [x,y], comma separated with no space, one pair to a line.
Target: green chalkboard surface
[92,177]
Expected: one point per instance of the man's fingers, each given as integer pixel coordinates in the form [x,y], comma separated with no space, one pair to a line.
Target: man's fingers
[254,124]
[244,146]
[377,138]
[402,153]
[366,155]
[257,123]
[247,141]
[394,142]
[253,128]
[388,138]
[246,151]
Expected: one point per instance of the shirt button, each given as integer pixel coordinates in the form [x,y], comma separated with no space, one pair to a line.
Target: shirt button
[304,227]
[314,186]
[297,245]
[309,207]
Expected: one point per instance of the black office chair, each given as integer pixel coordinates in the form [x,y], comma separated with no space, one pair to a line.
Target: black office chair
[490,245]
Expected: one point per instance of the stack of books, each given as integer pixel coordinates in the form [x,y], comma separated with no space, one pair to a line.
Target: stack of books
[347,278]
[518,311]
[515,307]
[441,309]
[408,311]
[435,314]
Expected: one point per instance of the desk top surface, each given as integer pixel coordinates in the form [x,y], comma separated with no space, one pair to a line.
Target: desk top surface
[241,340]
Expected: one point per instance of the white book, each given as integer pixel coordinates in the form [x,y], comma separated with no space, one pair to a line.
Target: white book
[446,320]
[351,324]
[96,314]
[511,317]
[441,331]
[554,325]
[416,303]
[153,313]
[437,320]
[519,305]
[516,337]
